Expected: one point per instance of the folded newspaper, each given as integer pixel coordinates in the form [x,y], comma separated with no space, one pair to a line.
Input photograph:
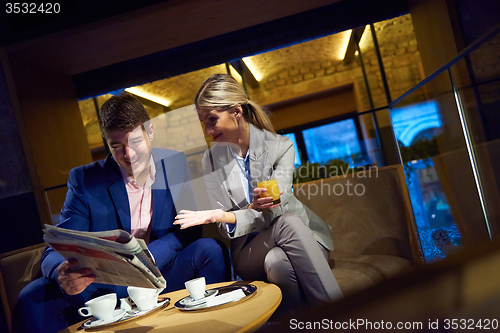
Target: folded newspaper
[115,256]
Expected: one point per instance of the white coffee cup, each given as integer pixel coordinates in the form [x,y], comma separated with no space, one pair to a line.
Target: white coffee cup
[101,307]
[144,298]
[196,288]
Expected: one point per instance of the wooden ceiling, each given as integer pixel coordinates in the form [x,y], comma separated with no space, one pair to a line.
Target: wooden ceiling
[149,30]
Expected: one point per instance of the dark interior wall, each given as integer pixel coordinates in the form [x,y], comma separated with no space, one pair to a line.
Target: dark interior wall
[72,13]
[14,174]
[20,222]
[19,218]
[472,28]
[470,11]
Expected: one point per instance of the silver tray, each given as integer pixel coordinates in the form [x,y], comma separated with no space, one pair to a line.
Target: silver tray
[248,289]
[133,314]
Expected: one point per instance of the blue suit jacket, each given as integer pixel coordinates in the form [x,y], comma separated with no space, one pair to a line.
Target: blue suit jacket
[97,201]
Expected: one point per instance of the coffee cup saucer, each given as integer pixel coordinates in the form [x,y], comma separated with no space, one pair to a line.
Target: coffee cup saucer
[94,322]
[136,312]
[189,301]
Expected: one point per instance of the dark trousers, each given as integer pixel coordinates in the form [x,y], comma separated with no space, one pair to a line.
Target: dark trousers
[43,307]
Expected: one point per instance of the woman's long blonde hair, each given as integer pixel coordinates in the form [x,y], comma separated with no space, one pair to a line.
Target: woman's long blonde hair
[223,93]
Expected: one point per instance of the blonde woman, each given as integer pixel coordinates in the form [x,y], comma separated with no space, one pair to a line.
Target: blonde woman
[286,244]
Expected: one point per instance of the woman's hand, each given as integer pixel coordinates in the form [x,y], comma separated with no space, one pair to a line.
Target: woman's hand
[262,203]
[188,218]
[74,280]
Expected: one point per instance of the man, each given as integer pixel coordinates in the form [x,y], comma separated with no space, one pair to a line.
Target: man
[136,189]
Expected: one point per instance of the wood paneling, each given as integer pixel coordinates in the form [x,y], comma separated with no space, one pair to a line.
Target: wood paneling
[437,37]
[51,121]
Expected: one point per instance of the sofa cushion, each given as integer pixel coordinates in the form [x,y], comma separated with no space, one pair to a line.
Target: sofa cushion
[372,224]
[366,212]
[359,272]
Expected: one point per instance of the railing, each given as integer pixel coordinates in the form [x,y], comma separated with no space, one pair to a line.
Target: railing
[452,163]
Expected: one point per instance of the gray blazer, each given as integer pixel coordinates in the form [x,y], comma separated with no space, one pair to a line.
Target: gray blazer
[269,153]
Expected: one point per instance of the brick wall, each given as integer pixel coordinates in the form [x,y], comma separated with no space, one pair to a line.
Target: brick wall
[180,130]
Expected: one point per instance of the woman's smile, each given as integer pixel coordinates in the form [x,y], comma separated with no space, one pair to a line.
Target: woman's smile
[216,136]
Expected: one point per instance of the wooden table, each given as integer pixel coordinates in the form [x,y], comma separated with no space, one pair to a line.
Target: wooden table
[244,316]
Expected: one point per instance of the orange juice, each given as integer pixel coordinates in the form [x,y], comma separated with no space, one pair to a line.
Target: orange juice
[272,190]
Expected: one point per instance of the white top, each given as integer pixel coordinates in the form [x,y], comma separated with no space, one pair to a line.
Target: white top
[243,164]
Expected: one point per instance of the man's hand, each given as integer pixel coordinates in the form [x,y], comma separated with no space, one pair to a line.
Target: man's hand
[188,218]
[74,280]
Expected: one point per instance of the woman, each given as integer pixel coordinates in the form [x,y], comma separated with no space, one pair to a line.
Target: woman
[286,244]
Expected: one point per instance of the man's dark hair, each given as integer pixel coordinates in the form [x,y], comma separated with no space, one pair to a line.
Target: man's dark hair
[121,112]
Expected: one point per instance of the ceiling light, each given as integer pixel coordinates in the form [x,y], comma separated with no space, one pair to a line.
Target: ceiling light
[343,42]
[141,92]
[235,74]
[365,40]
[257,74]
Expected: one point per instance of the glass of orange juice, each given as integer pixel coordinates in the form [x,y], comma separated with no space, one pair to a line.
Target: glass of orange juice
[271,185]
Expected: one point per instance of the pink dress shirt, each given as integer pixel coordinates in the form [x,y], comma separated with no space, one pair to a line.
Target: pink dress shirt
[140,202]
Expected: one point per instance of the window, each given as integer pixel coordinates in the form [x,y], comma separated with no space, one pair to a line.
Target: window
[324,141]
[338,140]
[416,121]
[291,136]
[416,126]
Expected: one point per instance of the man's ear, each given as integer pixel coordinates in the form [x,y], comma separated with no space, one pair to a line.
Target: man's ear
[151,132]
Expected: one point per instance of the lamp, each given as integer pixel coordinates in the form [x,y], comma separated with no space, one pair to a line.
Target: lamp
[138,91]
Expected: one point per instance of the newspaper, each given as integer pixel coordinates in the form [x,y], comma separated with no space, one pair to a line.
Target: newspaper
[115,256]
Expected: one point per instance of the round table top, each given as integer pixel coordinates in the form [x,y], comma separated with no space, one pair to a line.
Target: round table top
[242,316]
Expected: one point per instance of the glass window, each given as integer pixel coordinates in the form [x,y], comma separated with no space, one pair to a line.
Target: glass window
[332,141]
[416,121]
[291,136]
[416,127]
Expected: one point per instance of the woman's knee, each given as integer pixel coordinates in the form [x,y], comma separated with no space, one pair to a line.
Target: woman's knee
[277,266]
[292,222]
[289,228]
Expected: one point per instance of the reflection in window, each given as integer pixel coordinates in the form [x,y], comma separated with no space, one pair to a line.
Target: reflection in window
[291,136]
[416,121]
[416,126]
[332,141]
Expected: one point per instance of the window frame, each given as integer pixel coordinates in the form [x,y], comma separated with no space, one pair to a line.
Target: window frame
[299,138]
